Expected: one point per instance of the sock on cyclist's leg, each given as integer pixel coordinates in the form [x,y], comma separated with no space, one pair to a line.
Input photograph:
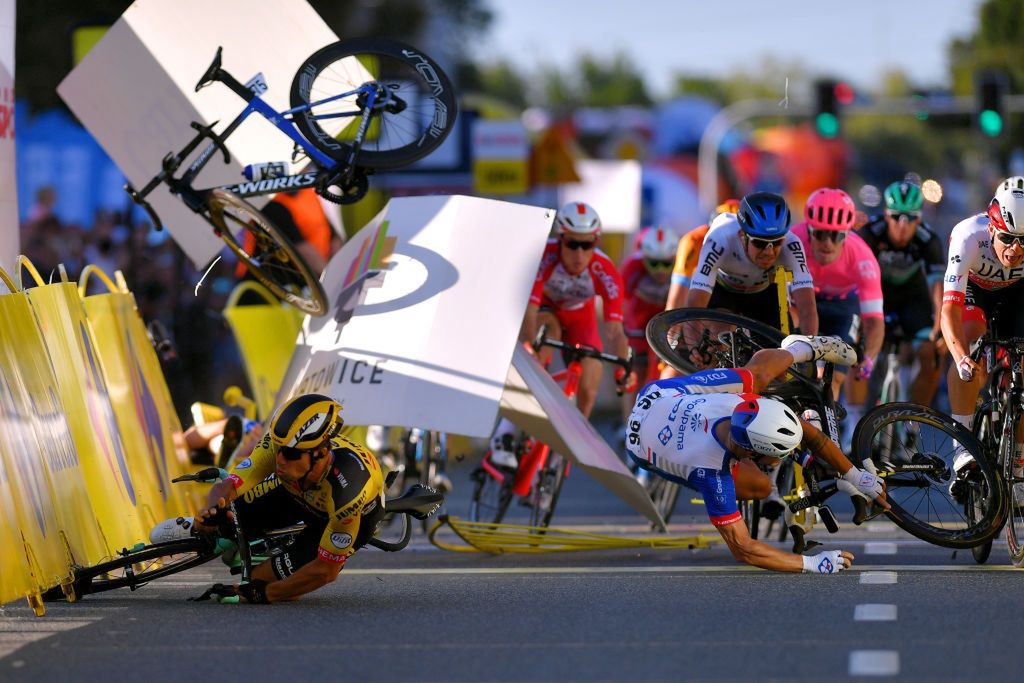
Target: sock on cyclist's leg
[965,420]
[800,350]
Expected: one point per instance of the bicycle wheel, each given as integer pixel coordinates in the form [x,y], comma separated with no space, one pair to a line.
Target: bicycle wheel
[491,498]
[1014,485]
[921,471]
[268,255]
[694,339]
[141,566]
[976,493]
[417,112]
[544,496]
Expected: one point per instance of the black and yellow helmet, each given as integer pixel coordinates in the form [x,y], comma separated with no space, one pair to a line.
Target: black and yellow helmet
[306,421]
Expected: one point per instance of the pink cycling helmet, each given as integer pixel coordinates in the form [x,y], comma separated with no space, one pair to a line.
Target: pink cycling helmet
[830,209]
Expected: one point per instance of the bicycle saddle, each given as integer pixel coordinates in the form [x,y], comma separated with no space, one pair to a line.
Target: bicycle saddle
[419,501]
[212,73]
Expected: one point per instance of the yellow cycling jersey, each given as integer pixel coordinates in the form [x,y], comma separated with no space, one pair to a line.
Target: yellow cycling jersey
[687,254]
[352,487]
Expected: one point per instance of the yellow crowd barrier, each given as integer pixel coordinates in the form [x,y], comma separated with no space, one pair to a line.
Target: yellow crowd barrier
[265,334]
[88,435]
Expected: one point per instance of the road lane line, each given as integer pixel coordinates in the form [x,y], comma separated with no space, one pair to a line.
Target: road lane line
[874,663]
[874,612]
[880,548]
[716,569]
[878,577]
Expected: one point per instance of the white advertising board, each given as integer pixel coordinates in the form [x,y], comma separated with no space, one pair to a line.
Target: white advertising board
[9,233]
[613,188]
[135,91]
[426,303]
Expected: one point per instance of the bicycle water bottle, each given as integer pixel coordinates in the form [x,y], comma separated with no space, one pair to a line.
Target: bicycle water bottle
[264,171]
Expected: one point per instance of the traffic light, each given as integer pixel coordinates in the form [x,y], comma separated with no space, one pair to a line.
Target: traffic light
[829,96]
[991,105]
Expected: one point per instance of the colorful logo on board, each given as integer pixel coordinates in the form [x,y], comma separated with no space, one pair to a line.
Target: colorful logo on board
[15,425]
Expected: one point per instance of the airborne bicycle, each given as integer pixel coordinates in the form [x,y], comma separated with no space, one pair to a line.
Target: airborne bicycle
[357,106]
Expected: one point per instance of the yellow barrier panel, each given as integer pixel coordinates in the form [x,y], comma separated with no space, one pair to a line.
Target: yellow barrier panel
[145,430]
[265,334]
[83,391]
[512,538]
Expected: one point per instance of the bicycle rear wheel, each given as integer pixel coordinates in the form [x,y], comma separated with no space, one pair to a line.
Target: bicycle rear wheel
[491,498]
[694,339]
[920,471]
[267,254]
[544,496]
[417,120]
[139,567]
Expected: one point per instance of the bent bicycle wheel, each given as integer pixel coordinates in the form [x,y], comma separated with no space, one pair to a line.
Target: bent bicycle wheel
[416,113]
[491,498]
[266,252]
[139,567]
[695,339]
[921,444]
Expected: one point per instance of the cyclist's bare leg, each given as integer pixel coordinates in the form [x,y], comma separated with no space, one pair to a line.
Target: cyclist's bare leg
[589,381]
[924,386]
[767,365]
[963,395]
[554,331]
[751,482]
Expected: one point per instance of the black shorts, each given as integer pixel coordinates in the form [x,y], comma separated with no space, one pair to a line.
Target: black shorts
[910,307]
[840,318]
[1002,308]
[762,306]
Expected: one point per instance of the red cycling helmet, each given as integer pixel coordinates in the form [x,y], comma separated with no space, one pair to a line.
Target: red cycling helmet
[830,209]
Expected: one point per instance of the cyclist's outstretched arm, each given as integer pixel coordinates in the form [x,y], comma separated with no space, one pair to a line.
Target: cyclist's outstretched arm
[825,449]
[757,554]
[529,329]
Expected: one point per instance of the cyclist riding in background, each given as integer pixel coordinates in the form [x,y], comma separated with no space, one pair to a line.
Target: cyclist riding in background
[847,284]
[688,253]
[645,279]
[983,280]
[737,262]
[911,260]
[710,431]
[573,272]
[301,471]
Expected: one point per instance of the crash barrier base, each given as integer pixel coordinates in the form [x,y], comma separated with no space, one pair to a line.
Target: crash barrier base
[497,539]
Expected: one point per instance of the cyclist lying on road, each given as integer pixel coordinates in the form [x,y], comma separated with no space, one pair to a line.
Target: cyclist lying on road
[712,432]
[332,484]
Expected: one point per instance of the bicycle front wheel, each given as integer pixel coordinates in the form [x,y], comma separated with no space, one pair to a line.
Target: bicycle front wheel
[267,253]
[139,567]
[920,444]
[491,498]
[544,496]
[414,117]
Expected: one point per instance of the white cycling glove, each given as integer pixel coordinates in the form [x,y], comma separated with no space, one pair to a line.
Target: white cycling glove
[828,562]
[866,483]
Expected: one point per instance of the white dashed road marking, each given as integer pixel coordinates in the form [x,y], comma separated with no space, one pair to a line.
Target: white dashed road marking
[874,612]
[880,548]
[874,663]
[878,577]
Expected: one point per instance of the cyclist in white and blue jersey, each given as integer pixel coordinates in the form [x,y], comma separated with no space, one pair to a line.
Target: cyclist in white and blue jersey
[711,431]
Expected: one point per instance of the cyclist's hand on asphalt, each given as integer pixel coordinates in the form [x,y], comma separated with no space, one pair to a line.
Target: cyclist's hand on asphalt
[221,592]
[828,562]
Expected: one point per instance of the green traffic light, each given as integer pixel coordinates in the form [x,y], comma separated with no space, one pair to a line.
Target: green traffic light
[991,123]
[827,125]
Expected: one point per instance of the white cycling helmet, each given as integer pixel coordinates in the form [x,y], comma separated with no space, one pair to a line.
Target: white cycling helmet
[577,218]
[765,426]
[1006,211]
[1013,182]
[659,244]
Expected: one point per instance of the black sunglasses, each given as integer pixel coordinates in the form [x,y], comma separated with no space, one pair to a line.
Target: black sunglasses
[651,264]
[293,454]
[1008,238]
[762,244]
[909,215]
[585,245]
[836,236]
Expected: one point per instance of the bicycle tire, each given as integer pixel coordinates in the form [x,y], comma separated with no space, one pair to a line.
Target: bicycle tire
[704,327]
[490,499]
[1014,513]
[274,261]
[974,502]
[415,132]
[191,552]
[910,486]
[550,480]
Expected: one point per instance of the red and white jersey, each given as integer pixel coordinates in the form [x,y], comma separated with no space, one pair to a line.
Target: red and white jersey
[556,288]
[856,272]
[643,295]
[971,258]
[723,259]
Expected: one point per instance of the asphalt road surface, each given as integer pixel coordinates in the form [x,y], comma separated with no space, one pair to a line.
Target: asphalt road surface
[906,611]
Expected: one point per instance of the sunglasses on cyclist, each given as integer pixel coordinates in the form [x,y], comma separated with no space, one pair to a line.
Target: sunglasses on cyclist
[585,245]
[836,236]
[1008,238]
[762,244]
[909,215]
[293,454]
[658,266]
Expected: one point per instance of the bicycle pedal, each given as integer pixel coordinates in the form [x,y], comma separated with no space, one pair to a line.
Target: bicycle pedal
[828,518]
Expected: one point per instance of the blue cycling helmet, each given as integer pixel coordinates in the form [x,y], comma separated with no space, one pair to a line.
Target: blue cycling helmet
[763,214]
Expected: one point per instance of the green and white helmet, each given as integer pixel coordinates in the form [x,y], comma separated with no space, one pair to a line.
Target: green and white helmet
[903,196]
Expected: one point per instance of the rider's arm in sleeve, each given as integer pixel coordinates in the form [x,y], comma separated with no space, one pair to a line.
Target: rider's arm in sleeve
[963,252]
[825,449]
[703,281]
[794,260]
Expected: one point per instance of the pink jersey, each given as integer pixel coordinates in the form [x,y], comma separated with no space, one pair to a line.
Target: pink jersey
[556,288]
[644,296]
[856,272]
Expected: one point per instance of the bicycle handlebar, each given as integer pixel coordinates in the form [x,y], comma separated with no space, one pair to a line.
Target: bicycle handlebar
[583,351]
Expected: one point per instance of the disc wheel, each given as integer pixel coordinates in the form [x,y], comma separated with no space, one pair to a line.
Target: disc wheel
[267,253]
[921,445]
[415,113]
